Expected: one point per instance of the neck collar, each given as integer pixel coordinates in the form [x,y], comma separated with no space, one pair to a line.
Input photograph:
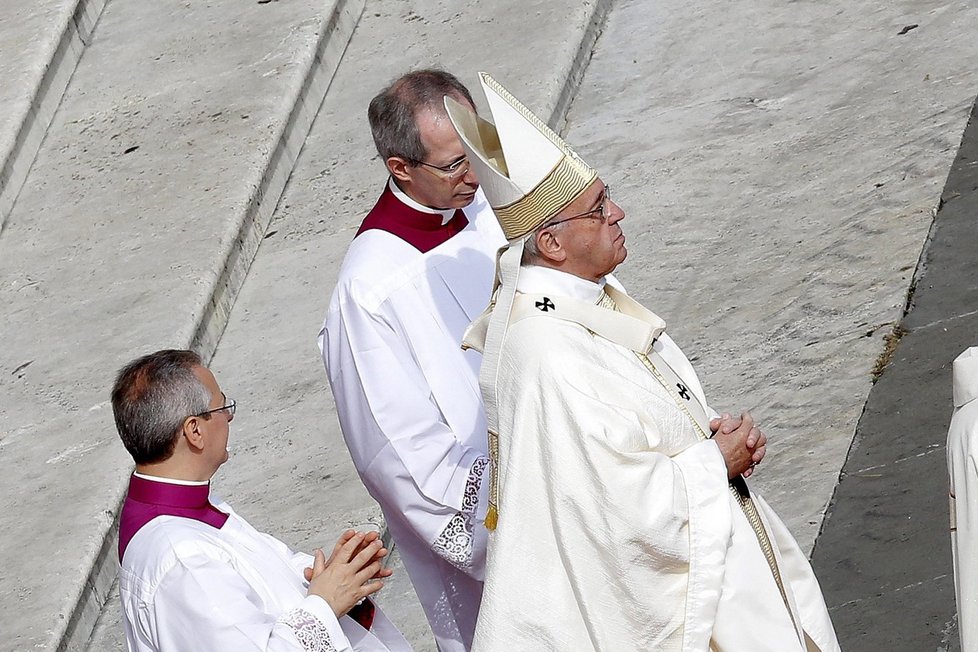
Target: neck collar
[159,478]
[150,497]
[168,492]
[535,279]
[445,213]
[421,229]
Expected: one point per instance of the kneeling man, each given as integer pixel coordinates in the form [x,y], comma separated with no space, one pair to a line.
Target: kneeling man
[196,576]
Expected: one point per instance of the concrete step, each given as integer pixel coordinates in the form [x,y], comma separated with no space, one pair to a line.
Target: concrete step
[289,471]
[42,42]
[134,230]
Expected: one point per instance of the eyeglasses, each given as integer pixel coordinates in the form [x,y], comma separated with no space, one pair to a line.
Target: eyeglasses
[604,208]
[453,171]
[229,408]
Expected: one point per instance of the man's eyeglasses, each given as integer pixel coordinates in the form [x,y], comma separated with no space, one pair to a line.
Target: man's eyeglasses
[229,408]
[603,210]
[453,171]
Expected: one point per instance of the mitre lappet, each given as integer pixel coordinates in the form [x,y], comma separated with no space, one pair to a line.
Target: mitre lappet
[529,175]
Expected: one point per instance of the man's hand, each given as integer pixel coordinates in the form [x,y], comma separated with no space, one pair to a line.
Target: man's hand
[757,443]
[352,573]
[368,537]
[741,443]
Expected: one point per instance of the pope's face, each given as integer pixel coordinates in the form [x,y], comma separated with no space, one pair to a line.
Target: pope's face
[436,188]
[215,425]
[594,244]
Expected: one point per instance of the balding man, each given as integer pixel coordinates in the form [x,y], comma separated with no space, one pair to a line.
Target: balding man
[623,520]
[407,396]
[194,574]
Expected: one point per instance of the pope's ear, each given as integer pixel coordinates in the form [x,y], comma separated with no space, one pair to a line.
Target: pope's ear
[549,246]
[191,432]
[401,169]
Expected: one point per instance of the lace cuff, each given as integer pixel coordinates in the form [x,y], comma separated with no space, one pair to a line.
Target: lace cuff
[312,634]
[455,542]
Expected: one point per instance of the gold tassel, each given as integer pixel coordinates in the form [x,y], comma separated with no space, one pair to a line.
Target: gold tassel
[492,514]
[491,517]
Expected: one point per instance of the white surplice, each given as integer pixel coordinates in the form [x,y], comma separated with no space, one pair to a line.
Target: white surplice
[617,529]
[185,585]
[409,404]
[962,466]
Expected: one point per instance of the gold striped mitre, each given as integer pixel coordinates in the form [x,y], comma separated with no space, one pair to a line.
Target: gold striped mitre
[528,173]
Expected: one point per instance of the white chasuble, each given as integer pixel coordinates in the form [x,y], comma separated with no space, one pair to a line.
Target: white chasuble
[408,397]
[187,585]
[962,465]
[617,529]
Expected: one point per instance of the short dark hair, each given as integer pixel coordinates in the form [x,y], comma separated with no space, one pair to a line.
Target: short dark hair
[152,397]
[393,111]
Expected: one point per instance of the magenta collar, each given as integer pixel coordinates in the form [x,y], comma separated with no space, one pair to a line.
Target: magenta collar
[148,499]
[423,231]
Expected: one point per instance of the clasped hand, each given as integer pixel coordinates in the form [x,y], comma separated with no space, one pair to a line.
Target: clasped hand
[352,572]
[741,443]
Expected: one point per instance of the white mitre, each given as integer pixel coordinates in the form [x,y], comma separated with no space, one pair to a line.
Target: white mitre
[528,173]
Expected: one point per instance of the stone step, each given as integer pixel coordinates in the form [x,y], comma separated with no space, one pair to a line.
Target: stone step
[42,43]
[134,230]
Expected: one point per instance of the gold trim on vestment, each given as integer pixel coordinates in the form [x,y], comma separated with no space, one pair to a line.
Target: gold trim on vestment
[492,514]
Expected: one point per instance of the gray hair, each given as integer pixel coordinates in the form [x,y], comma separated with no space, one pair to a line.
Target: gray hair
[152,397]
[392,113]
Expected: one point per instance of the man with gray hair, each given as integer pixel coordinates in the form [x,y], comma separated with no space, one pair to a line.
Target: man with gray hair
[617,494]
[417,272]
[194,575]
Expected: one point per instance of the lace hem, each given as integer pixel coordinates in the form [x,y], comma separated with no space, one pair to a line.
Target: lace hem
[312,634]
[455,543]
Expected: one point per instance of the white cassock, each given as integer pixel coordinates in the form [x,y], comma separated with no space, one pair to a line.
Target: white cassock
[617,527]
[409,403]
[185,585]
[962,466]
